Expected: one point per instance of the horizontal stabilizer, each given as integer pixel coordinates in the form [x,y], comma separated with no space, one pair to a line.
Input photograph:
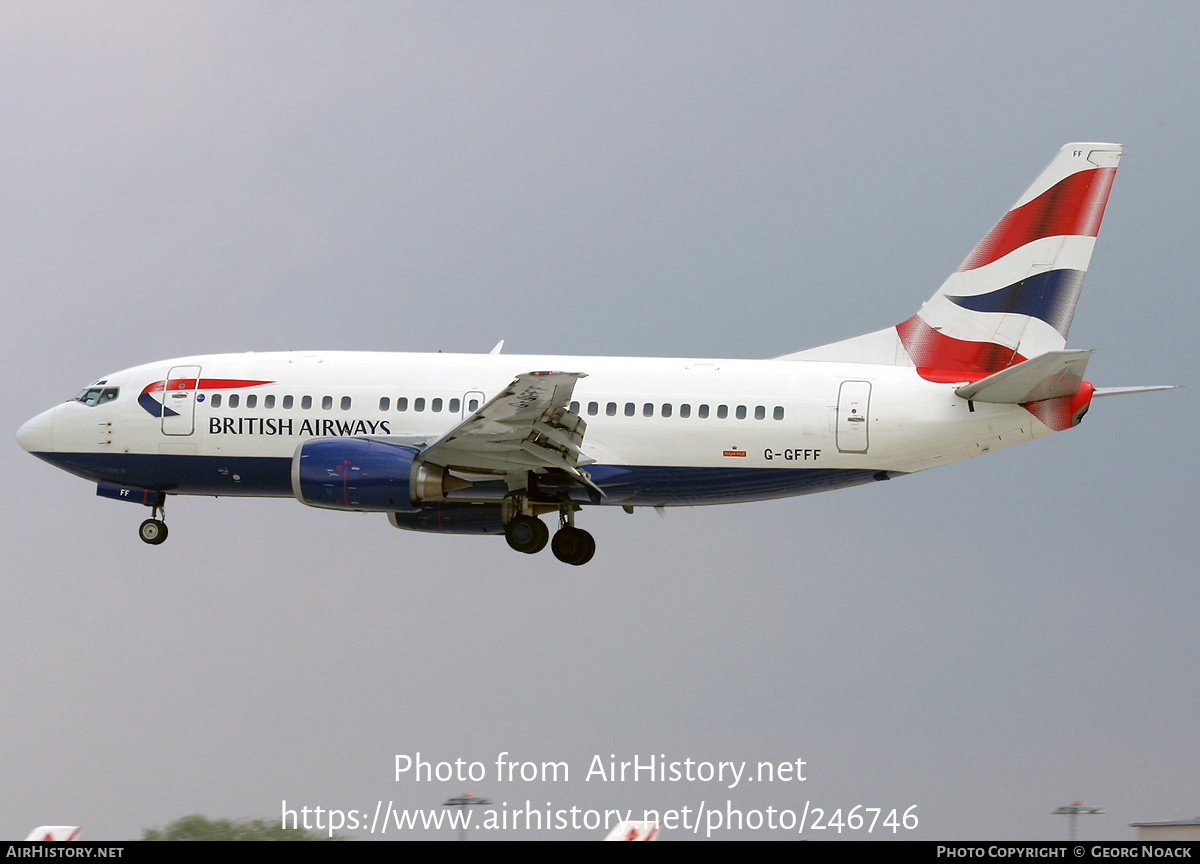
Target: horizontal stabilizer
[1122,391]
[1047,376]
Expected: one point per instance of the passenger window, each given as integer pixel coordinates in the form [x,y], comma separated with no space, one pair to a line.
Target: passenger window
[611,409]
[648,409]
[629,409]
[741,412]
[593,407]
[419,404]
[666,409]
[384,403]
[287,402]
[305,402]
[402,403]
[345,403]
[326,402]
[778,415]
[455,406]
[722,412]
[269,402]
[685,410]
[473,405]
[233,400]
[703,412]
[216,400]
[760,413]
[574,407]
[251,401]
[437,405]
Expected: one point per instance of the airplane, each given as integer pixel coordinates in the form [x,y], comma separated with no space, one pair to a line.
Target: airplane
[64,833]
[489,443]
[631,830]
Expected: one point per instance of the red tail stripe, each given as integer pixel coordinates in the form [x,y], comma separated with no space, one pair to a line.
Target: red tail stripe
[1074,206]
[945,359]
[1063,412]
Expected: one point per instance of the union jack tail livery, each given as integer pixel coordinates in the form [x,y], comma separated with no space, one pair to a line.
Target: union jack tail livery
[998,325]
[1014,296]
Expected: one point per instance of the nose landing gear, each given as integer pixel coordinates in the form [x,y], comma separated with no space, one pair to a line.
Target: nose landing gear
[154,529]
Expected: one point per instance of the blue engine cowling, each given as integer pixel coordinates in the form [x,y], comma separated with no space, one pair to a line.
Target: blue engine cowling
[452,517]
[354,474]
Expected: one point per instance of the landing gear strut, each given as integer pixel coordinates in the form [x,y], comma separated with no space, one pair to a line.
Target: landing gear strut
[572,545]
[527,533]
[154,529]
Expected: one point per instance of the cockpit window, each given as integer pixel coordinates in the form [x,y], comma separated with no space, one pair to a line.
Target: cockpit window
[92,396]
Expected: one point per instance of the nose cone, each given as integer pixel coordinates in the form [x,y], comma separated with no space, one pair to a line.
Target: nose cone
[37,436]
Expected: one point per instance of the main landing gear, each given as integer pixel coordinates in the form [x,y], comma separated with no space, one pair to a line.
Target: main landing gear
[571,545]
[154,529]
[526,534]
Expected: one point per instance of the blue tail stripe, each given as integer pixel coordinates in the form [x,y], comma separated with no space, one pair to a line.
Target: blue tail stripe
[623,484]
[1048,296]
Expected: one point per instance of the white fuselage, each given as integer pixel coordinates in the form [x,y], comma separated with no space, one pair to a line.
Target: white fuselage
[850,422]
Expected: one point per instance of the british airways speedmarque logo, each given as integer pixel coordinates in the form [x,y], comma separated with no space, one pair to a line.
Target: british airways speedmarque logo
[157,408]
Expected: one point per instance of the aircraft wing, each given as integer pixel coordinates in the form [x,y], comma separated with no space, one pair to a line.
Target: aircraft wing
[527,426]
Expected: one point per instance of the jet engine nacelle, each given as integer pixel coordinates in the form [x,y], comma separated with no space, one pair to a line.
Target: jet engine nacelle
[366,474]
[454,517]
[354,474]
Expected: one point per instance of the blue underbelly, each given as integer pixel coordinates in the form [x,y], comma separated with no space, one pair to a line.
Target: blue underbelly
[641,485]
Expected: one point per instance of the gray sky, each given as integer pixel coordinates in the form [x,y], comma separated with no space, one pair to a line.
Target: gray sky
[988,641]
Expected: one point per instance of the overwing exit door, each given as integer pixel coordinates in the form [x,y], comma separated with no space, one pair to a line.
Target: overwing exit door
[472,402]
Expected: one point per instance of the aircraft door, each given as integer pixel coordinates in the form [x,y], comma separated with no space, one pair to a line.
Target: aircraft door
[472,401]
[179,400]
[854,402]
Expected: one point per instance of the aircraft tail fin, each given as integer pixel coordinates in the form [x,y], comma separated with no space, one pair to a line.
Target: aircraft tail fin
[1013,297]
[53,832]
[633,830]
